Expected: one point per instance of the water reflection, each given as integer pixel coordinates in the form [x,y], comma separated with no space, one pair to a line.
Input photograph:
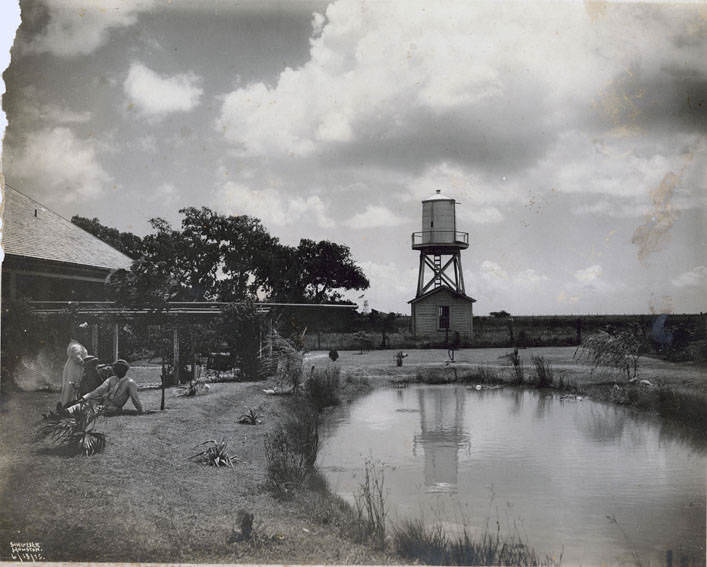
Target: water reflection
[563,466]
[441,436]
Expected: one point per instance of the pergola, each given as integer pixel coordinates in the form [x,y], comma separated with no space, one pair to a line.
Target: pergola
[175,311]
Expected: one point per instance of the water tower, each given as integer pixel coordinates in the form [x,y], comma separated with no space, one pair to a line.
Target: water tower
[441,309]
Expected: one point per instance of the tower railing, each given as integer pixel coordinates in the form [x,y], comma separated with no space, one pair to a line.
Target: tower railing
[440,237]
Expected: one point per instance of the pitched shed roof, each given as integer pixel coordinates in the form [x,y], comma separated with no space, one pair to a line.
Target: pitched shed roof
[32,230]
[439,289]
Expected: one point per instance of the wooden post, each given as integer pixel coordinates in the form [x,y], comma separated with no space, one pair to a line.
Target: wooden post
[163,377]
[116,334]
[94,339]
[175,351]
[271,337]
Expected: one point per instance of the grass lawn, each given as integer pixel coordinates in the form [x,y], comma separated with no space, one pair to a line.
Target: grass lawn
[143,500]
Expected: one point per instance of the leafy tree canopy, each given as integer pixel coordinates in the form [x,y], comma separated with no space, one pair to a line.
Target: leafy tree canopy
[233,258]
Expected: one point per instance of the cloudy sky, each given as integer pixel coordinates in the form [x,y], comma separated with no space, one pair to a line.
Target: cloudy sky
[573,134]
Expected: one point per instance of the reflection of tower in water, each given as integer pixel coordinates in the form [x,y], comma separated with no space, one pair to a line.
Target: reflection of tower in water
[442,434]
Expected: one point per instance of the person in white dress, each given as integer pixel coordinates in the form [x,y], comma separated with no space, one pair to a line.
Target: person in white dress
[73,371]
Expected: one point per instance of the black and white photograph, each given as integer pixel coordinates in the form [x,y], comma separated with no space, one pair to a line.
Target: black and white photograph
[367,282]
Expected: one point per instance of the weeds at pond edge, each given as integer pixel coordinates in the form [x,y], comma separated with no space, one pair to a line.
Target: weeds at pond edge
[291,449]
[432,546]
[370,504]
[543,372]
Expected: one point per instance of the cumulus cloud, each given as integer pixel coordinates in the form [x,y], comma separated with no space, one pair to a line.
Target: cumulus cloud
[75,27]
[480,81]
[157,95]
[271,205]
[697,277]
[375,216]
[57,160]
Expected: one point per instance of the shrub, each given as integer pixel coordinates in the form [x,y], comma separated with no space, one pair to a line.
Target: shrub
[322,387]
[73,429]
[282,359]
[619,351]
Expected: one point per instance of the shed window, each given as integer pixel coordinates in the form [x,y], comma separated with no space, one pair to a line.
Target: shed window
[444,316]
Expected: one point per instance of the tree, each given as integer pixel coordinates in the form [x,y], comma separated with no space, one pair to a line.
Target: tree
[128,243]
[618,350]
[232,258]
[325,268]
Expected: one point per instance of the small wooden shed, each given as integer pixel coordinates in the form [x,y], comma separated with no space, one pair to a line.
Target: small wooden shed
[442,312]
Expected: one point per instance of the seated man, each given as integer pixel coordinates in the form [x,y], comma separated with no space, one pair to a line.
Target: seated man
[115,391]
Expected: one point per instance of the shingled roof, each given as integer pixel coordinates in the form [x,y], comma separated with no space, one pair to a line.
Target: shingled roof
[32,230]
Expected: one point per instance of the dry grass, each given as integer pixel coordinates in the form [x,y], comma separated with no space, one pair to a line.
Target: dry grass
[142,500]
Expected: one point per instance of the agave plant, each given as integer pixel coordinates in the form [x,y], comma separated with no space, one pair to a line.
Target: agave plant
[73,428]
[214,454]
[251,417]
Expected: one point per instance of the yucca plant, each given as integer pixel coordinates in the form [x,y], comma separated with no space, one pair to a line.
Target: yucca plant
[73,429]
[251,417]
[215,454]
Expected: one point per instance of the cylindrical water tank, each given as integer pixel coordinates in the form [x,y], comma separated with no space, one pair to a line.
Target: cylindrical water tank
[439,223]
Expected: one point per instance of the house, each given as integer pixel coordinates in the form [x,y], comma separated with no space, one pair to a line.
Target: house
[48,258]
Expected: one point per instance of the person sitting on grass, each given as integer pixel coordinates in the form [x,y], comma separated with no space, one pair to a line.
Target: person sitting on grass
[115,391]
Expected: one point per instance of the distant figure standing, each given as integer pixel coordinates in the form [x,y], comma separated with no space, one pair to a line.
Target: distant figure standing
[73,371]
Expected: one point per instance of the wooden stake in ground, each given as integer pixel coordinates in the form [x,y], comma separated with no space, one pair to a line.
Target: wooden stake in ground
[164,379]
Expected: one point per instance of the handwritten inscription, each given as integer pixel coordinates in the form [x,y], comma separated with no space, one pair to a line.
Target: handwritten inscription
[26,551]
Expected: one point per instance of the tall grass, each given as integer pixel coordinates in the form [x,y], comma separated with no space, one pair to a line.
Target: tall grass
[370,504]
[432,546]
[517,368]
[291,449]
[322,386]
[482,375]
[543,372]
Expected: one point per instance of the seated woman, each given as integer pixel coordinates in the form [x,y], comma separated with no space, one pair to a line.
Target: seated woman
[115,391]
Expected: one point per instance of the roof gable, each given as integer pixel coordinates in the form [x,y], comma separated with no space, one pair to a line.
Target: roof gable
[32,230]
[440,289]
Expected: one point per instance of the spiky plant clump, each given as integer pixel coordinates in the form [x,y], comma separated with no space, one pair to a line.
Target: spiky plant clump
[251,417]
[214,454]
[73,429]
[544,372]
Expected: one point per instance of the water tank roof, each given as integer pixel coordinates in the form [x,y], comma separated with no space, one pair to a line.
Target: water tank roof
[437,197]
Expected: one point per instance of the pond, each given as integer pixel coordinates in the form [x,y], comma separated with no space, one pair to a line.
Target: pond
[593,481]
